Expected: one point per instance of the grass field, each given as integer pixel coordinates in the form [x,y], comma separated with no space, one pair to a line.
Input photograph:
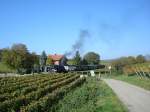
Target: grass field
[93,96]
[141,82]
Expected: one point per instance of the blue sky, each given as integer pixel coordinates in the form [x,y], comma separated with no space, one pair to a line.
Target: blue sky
[116,27]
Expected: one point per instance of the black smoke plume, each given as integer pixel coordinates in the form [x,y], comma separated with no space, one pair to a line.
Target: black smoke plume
[78,45]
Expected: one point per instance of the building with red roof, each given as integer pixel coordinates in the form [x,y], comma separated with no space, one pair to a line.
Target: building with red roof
[57,59]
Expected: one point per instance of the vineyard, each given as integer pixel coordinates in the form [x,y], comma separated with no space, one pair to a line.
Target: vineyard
[141,70]
[35,93]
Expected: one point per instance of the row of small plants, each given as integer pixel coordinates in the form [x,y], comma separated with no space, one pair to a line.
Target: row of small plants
[16,103]
[44,104]
[23,79]
[30,88]
[20,80]
[19,86]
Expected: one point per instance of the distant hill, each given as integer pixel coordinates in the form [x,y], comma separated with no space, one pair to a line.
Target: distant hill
[105,62]
[147,57]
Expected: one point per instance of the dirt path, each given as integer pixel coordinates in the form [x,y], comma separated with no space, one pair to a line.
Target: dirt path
[136,99]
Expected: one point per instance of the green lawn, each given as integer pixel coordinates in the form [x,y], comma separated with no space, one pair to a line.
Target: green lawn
[144,82]
[93,96]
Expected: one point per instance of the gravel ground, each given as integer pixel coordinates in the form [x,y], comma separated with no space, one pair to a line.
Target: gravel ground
[135,98]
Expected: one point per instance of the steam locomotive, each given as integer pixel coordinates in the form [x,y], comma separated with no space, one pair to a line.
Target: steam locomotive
[67,68]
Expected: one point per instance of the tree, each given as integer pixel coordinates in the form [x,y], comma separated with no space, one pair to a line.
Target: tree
[1,50]
[7,58]
[21,48]
[92,58]
[35,58]
[124,62]
[43,59]
[19,58]
[16,56]
[84,62]
[118,64]
[49,61]
[140,59]
[77,58]
[131,60]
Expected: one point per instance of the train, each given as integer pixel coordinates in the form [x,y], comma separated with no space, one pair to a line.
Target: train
[67,68]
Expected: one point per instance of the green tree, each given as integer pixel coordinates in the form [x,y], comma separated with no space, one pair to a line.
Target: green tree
[16,56]
[20,48]
[131,60]
[122,62]
[84,62]
[19,58]
[140,59]
[7,58]
[49,61]
[92,58]
[43,59]
[35,58]
[1,50]
[77,58]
